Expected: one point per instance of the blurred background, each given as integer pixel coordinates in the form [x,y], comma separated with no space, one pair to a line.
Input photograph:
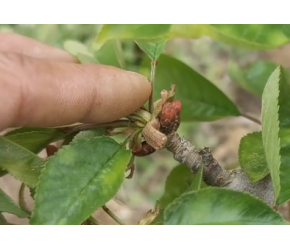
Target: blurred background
[227,67]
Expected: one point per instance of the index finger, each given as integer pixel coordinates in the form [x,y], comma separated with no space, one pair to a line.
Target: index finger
[43,93]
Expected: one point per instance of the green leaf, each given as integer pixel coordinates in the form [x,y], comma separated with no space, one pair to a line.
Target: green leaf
[130,31]
[20,162]
[2,172]
[218,206]
[270,128]
[254,78]
[8,205]
[22,130]
[177,182]
[196,184]
[276,132]
[284,135]
[107,54]
[151,216]
[3,221]
[201,99]
[87,134]
[84,58]
[252,36]
[159,219]
[35,139]
[80,51]
[252,156]
[32,193]
[152,49]
[249,36]
[78,179]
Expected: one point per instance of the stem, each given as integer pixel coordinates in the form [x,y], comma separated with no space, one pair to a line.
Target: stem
[152,79]
[3,220]
[115,124]
[253,119]
[232,166]
[119,53]
[131,167]
[184,152]
[94,221]
[128,138]
[156,206]
[21,199]
[112,215]
[68,139]
[3,172]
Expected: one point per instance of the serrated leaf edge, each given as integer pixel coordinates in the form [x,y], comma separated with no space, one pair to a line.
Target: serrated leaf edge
[40,166]
[13,203]
[278,123]
[63,148]
[178,200]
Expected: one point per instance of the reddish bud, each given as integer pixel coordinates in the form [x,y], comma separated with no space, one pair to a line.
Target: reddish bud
[170,116]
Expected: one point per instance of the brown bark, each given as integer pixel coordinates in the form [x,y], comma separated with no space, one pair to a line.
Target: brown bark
[213,174]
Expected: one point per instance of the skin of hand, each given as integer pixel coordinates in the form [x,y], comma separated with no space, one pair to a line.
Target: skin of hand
[43,86]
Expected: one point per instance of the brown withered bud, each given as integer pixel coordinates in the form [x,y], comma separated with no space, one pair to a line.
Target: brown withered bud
[151,133]
[156,130]
[51,150]
[145,150]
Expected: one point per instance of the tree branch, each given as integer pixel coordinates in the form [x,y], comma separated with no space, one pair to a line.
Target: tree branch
[184,152]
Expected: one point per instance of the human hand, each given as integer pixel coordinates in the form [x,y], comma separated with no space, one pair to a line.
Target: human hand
[42,86]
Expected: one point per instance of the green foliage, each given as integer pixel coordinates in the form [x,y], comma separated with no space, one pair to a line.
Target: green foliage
[35,139]
[80,178]
[275,132]
[2,172]
[80,51]
[253,78]
[89,168]
[20,162]
[250,36]
[107,55]
[270,129]
[201,99]
[130,31]
[252,157]
[197,182]
[3,221]
[8,205]
[180,180]
[152,49]
[177,182]
[218,206]
[159,220]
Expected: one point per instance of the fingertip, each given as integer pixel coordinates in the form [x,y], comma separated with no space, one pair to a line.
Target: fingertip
[142,86]
[119,92]
[58,94]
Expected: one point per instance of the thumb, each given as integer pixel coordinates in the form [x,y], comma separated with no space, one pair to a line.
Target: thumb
[44,93]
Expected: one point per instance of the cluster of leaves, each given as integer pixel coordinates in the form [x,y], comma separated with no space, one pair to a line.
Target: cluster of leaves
[90,167]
